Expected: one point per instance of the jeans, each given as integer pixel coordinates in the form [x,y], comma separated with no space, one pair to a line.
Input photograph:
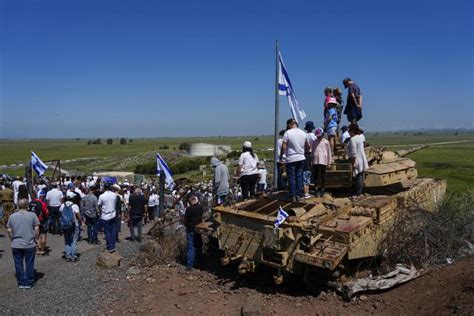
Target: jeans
[70,241]
[24,266]
[248,184]
[110,232]
[54,225]
[92,228]
[359,183]
[136,225]
[294,171]
[193,247]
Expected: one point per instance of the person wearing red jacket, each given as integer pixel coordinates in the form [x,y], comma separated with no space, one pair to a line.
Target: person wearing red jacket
[43,218]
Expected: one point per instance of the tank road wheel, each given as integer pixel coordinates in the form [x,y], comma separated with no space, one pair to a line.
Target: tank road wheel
[278,279]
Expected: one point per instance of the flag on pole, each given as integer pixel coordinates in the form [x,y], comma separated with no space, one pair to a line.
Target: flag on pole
[285,88]
[282,215]
[38,166]
[161,166]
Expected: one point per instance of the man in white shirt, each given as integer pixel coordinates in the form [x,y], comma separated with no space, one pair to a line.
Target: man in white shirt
[280,183]
[16,186]
[294,143]
[106,203]
[356,153]
[153,203]
[54,199]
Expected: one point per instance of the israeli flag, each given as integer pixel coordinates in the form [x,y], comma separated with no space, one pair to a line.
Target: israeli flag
[161,166]
[282,215]
[285,88]
[38,166]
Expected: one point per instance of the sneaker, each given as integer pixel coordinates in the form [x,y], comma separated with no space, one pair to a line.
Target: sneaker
[307,196]
[26,287]
[74,259]
[97,242]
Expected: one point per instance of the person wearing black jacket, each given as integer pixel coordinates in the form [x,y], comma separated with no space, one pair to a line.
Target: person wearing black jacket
[192,217]
[136,212]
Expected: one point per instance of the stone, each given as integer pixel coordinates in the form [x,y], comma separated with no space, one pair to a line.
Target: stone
[363,298]
[108,260]
[252,307]
[134,270]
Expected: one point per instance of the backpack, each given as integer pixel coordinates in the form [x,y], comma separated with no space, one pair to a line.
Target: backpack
[37,208]
[67,217]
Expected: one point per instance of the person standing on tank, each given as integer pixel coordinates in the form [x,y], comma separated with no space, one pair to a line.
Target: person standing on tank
[353,108]
[247,171]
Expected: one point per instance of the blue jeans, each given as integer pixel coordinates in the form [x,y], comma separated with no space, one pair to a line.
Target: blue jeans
[294,170]
[92,228]
[25,273]
[359,183]
[193,247]
[71,236]
[280,183]
[110,232]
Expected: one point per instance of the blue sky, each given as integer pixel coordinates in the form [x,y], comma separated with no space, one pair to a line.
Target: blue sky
[194,68]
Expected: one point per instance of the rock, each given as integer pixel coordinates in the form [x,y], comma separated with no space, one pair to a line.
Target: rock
[252,307]
[299,304]
[133,271]
[108,260]
[363,298]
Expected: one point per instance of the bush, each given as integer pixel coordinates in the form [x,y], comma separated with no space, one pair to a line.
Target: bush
[164,147]
[96,142]
[130,141]
[110,141]
[184,146]
[123,141]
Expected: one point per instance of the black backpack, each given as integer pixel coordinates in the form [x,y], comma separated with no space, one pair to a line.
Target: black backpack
[36,207]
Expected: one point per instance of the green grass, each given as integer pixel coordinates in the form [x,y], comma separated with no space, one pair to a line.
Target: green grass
[454,162]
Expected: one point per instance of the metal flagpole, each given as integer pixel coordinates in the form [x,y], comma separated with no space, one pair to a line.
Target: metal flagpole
[277,117]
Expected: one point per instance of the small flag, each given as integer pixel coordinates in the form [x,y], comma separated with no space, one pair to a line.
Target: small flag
[285,88]
[37,165]
[282,215]
[161,166]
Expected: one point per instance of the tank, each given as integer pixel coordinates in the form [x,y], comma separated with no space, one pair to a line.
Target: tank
[323,234]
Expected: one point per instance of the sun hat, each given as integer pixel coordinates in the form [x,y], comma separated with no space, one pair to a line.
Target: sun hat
[247,144]
[70,194]
[319,132]
[332,100]
[309,126]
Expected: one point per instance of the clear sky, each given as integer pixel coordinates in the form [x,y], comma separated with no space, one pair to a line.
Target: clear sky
[93,68]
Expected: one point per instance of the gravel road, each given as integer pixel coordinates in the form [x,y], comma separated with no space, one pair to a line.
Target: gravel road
[63,287]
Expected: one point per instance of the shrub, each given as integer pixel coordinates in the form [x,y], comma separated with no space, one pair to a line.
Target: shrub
[110,141]
[123,141]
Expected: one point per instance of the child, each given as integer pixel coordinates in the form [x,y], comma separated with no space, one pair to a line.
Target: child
[340,104]
[330,122]
[328,93]
[262,181]
[322,158]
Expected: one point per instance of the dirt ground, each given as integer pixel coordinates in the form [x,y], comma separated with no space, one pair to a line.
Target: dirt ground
[214,290]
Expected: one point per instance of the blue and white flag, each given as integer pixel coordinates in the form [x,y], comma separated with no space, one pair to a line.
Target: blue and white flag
[285,88]
[282,215]
[161,166]
[38,166]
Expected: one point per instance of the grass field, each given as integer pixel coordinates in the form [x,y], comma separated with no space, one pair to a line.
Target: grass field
[453,162]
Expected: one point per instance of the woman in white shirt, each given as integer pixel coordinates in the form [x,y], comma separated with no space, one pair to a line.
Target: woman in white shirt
[248,172]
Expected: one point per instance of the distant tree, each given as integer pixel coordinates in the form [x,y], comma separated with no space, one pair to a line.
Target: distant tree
[130,141]
[78,139]
[123,141]
[89,142]
[184,146]
[256,139]
[110,141]
[164,147]
[456,134]
[96,142]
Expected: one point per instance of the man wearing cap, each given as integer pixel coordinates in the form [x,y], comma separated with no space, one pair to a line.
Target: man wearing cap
[294,143]
[248,171]
[220,181]
[353,108]
[23,230]
[192,217]
[307,169]
[356,153]
[54,199]
[71,232]
[107,202]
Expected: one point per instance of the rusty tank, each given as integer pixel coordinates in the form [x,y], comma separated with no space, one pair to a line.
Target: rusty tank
[322,234]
